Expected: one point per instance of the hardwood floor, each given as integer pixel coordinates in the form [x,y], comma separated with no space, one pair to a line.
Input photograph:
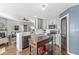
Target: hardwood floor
[11,50]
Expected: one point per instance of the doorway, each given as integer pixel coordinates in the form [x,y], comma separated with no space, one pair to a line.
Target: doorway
[64,35]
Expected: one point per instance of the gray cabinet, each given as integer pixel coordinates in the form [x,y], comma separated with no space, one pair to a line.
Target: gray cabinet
[25,41]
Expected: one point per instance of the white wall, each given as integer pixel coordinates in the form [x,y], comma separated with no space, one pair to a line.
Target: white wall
[2,20]
[10,25]
[45,23]
[28,25]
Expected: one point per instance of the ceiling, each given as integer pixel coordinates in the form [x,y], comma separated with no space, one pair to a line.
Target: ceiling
[20,10]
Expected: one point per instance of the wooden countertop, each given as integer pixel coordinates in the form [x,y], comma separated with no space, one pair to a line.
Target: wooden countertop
[41,38]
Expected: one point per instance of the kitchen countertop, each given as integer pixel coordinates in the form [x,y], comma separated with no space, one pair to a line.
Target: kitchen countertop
[26,34]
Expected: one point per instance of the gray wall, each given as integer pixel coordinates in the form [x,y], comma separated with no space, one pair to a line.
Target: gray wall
[74,28]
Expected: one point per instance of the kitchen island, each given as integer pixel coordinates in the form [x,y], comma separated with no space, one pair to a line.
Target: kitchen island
[41,45]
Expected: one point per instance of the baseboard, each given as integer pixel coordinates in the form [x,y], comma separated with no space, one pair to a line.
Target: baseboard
[71,53]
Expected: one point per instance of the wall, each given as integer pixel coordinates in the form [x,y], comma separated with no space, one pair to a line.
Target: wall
[9,24]
[29,24]
[73,28]
[2,20]
[47,22]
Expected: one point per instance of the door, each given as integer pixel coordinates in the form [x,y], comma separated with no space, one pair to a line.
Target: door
[64,35]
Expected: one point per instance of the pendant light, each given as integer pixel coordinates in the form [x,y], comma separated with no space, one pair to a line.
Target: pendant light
[43,6]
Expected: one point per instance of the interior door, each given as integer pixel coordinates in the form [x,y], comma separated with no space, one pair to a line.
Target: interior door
[64,35]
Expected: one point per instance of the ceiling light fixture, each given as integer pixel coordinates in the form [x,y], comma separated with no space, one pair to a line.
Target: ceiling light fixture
[35,16]
[43,6]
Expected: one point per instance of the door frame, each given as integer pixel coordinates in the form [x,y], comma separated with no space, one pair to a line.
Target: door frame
[67,15]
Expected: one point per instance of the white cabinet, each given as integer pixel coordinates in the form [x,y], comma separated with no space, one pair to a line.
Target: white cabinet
[4,40]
